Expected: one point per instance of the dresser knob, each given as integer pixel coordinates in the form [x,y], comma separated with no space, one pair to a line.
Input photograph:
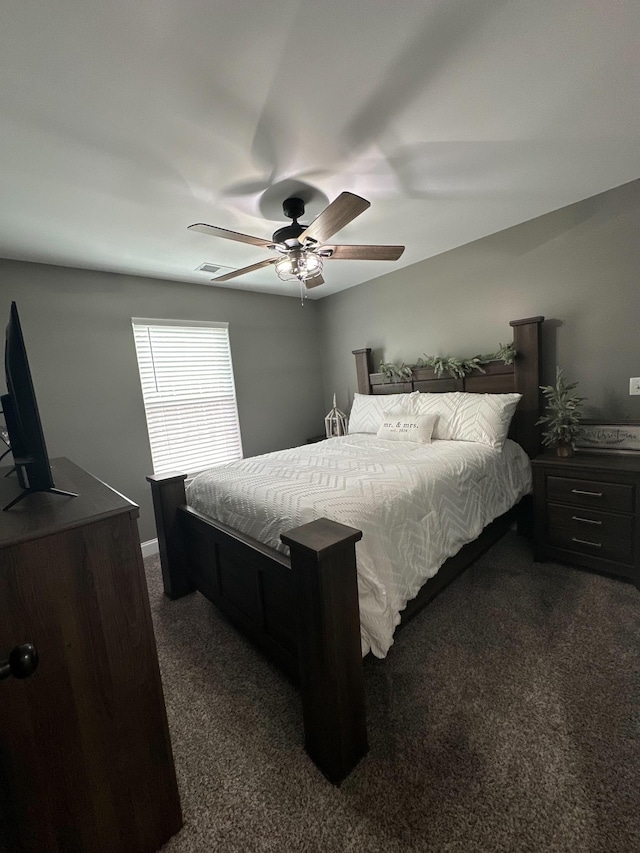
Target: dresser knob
[23,662]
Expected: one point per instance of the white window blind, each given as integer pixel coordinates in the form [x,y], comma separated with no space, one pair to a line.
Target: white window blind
[189,394]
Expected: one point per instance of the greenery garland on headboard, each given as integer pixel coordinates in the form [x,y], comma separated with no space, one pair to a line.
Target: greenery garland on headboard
[457,367]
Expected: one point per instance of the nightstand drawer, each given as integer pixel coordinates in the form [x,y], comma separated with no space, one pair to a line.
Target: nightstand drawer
[593,544]
[590,522]
[591,493]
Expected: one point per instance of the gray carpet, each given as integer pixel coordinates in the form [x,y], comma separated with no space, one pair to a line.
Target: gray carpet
[505,718]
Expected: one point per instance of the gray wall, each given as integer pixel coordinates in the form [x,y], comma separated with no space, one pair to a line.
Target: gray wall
[579,267]
[77,328]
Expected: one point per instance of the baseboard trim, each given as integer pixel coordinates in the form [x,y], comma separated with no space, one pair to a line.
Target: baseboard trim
[150,548]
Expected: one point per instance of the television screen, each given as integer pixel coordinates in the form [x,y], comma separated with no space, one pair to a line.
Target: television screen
[22,418]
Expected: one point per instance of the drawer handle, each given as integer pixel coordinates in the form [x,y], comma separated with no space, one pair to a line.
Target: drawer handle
[586,520]
[582,492]
[585,542]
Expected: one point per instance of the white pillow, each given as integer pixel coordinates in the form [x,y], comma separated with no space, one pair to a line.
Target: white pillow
[367,410]
[442,405]
[484,418]
[397,426]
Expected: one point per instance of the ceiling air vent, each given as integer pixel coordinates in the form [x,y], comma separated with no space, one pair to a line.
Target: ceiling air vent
[211,268]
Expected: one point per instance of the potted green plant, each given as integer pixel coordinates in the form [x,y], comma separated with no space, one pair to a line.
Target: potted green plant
[564,408]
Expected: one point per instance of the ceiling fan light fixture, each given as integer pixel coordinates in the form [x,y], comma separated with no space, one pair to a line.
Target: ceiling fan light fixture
[303,248]
[298,265]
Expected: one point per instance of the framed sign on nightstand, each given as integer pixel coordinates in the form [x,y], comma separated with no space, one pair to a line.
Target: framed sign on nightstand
[604,436]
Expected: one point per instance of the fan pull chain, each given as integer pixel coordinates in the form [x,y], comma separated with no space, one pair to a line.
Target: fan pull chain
[302,293]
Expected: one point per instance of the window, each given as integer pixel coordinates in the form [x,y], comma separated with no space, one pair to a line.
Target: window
[189,394]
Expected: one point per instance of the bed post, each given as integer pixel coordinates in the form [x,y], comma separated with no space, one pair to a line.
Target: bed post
[329,648]
[168,494]
[363,369]
[527,343]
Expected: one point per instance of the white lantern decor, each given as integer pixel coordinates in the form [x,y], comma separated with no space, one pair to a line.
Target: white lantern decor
[335,422]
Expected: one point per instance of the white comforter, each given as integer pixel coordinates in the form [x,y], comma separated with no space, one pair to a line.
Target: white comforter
[416,505]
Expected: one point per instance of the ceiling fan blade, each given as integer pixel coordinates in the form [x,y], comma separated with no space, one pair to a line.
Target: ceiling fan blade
[228,276]
[334,217]
[214,231]
[363,253]
[313,282]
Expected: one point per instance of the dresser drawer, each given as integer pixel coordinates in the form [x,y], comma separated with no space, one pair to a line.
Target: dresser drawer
[593,544]
[617,497]
[590,522]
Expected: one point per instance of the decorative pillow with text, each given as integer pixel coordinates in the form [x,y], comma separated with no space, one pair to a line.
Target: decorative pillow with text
[396,426]
[367,409]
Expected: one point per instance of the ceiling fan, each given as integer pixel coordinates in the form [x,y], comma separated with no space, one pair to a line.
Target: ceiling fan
[302,249]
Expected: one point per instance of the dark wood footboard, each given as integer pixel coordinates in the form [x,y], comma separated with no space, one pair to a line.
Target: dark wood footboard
[302,610]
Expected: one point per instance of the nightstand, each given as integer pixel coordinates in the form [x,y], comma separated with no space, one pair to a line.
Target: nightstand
[315,438]
[587,511]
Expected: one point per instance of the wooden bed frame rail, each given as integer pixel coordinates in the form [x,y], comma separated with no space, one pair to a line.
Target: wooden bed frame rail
[302,610]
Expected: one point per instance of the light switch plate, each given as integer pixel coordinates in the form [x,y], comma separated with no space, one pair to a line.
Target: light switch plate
[634,385]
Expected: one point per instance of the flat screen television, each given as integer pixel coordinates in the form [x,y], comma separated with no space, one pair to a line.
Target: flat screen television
[22,418]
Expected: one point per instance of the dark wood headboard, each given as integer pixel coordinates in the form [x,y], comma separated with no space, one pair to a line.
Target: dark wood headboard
[522,376]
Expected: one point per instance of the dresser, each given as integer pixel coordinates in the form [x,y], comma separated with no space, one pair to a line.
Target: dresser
[587,511]
[85,756]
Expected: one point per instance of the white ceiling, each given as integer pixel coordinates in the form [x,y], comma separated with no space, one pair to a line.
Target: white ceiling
[122,122]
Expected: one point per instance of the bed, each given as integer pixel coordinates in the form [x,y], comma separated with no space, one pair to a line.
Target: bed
[317,609]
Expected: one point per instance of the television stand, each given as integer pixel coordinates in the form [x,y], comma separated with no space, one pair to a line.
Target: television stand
[20,468]
[26,492]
